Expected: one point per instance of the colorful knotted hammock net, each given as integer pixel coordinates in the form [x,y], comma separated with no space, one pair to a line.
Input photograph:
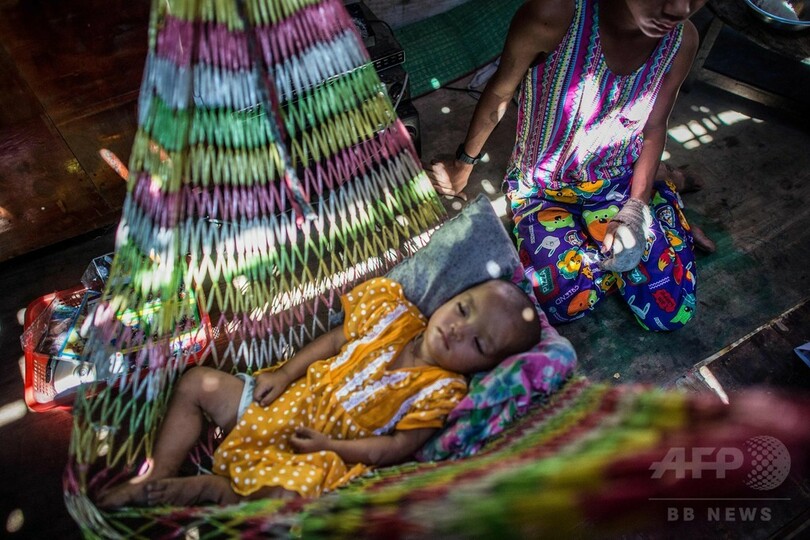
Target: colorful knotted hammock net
[269,173]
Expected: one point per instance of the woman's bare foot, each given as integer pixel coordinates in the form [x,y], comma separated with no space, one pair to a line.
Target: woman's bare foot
[703,242]
[684,180]
[191,490]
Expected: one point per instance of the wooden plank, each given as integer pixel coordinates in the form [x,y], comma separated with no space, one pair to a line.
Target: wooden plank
[767,357]
[45,194]
[113,129]
[70,75]
[77,57]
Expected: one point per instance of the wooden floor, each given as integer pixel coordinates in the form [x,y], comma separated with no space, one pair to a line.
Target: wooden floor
[69,79]
[69,76]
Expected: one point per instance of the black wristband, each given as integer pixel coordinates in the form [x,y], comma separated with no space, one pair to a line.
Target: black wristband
[463,157]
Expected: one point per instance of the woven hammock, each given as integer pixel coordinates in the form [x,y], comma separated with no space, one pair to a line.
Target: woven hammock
[268,175]
[548,475]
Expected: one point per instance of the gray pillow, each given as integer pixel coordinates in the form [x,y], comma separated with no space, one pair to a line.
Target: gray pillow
[468,249]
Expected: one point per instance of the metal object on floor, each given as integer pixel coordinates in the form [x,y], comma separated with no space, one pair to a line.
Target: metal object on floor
[735,15]
[792,15]
[387,55]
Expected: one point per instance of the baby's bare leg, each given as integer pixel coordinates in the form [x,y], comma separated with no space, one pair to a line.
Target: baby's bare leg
[200,391]
[206,488]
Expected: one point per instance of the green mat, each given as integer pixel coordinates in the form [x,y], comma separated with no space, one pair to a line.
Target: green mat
[447,46]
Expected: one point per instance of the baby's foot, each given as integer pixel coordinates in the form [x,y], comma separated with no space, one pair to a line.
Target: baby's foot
[131,493]
[191,490]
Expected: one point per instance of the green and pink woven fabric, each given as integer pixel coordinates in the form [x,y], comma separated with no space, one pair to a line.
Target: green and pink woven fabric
[269,173]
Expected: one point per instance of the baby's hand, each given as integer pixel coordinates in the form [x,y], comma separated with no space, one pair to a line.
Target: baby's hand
[306,440]
[270,385]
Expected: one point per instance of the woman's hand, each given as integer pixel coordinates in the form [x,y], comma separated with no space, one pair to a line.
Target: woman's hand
[306,440]
[270,385]
[626,236]
[449,177]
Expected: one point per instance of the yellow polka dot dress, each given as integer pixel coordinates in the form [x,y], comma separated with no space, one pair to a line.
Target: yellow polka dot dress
[350,396]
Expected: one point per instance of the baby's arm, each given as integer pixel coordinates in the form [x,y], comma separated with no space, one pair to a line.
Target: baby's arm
[270,384]
[381,451]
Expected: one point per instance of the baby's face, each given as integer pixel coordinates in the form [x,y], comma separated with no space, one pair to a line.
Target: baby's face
[474,330]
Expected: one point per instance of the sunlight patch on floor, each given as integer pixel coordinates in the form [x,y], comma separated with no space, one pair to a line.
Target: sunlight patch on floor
[12,412]
[499,205]
[15,521]
[488,187]
[712,382]
[697,132]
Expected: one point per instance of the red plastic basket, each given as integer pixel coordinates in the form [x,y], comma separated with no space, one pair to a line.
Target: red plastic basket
[41,392]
